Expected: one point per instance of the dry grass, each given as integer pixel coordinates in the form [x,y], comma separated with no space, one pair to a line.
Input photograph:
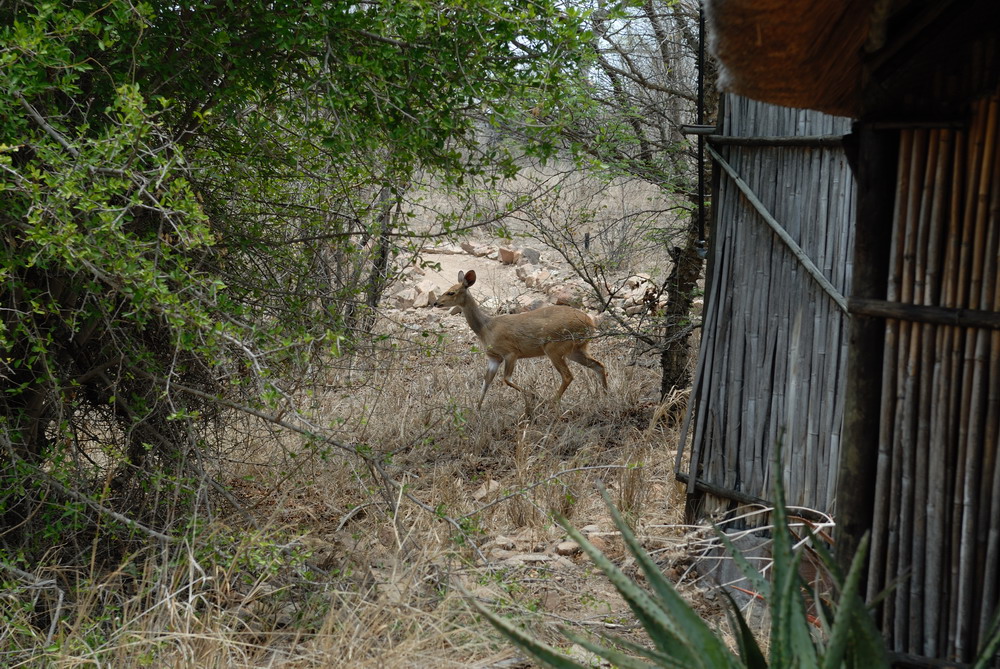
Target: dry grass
[333,559]
[345,569]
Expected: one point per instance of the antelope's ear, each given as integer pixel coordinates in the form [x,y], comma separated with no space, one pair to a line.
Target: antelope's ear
[470,278]
[461,276]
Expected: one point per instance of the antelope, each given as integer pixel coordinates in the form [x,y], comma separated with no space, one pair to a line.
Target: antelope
[558,332]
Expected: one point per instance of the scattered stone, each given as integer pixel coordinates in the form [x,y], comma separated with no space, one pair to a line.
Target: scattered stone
[637,280]
[491,304]
[566,294]
[426,286]
[504,542]
[590,529]
[500,554]
[541,277]
[447,250]
[524,303]
[635,309]
[528,558]
[404,299]
[568,548]
[426,293]
[487,488]
[286,615]
[424,300]
[530,255]
[509,256]
[581,655]
[599,543]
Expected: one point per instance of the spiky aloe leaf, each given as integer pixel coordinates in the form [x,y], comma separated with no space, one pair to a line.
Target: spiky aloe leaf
[713,651]
[791,641]
[617,657]
[750,652]
[659,623]
[538,650]
[657,657]
[991,646]
[752,574]
[848,609]
[865,646]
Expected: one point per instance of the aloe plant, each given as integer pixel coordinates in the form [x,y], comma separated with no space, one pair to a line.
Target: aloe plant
[679,638]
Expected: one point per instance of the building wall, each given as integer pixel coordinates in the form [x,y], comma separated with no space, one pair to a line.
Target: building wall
[774,342]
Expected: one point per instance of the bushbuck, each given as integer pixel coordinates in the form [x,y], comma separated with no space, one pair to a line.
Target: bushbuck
[559,332]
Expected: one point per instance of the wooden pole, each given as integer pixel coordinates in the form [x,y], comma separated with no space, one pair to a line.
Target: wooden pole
[876,181]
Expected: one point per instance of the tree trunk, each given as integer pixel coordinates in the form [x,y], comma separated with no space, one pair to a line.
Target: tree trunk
[681,286]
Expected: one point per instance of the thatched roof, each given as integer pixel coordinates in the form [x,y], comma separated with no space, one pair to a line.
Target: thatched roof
[853,57]
[791,52]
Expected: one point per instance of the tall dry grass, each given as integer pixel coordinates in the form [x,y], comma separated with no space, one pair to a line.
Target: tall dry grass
[333,561]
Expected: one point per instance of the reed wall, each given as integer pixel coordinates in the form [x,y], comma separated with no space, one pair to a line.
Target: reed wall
[773,346]
[937,498]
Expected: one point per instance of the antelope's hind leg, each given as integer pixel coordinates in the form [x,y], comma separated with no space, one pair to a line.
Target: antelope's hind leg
[558,357]
[582,357]
[492,365]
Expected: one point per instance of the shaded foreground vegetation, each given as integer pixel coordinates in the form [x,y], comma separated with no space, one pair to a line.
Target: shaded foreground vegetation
[333,559]
[217,449]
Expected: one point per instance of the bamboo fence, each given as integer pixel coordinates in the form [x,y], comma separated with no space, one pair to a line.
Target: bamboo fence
[774,339]
[936,528]
[774,348]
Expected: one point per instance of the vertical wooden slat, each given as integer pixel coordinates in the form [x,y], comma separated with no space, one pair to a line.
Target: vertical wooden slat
[989,518]
[972,391]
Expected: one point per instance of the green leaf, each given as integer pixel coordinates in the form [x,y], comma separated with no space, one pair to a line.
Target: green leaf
[750,652]
[658,622]
[848,608]
[791,640]
[712,651]
[991,644]
[536,649]
[752,574]
[616,657]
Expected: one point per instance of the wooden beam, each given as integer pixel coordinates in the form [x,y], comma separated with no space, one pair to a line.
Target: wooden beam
[699,129]
[917,313]
[748,500]
[876,176]
[816,141]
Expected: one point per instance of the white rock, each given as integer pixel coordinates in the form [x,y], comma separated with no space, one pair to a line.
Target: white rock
[509,256]
[568,548]
[637,280]
[524,303]
[567,294]
[504,542]
[404,299]
[634,310]
[485,489]
[526,558]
